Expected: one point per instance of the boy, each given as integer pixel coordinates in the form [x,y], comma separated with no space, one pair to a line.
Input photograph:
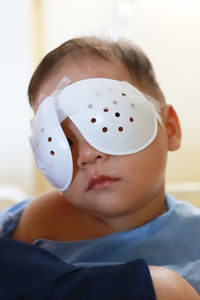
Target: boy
[111,205]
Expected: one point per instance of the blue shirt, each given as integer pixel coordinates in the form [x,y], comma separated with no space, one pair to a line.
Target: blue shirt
[171,240]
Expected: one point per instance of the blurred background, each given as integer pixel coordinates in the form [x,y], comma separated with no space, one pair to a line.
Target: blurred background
[167,30]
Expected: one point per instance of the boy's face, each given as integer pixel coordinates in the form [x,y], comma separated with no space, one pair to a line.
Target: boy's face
[111,186]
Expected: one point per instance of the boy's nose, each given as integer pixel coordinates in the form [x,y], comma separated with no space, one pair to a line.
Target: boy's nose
[88,155]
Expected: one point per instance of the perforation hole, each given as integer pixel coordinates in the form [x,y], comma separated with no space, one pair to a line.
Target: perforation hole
[123,94]
[49,139]
[105,109]
[93,120]
[131,119]
[104,129]
[117,114]
[52,152]
[120,129]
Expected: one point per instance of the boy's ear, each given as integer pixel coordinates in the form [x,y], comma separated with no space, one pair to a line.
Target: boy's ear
[172,125]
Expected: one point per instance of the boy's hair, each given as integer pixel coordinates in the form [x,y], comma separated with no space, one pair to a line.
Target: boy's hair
[136,62]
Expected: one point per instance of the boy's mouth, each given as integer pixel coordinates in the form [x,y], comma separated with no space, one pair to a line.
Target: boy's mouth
[100,182]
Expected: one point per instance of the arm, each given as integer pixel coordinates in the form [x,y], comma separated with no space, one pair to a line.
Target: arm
[169,285]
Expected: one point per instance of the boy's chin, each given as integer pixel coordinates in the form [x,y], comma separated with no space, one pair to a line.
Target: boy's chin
[111,212]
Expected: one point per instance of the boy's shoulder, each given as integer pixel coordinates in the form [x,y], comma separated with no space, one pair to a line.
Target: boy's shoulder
[51,216]
[182,208]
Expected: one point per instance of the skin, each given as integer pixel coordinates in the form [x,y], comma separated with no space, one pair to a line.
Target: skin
[170,286]
[135,198]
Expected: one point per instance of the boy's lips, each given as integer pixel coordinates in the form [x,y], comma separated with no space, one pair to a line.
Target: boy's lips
[100,182]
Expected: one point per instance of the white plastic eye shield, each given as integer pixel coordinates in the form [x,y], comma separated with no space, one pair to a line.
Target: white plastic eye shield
[113,117]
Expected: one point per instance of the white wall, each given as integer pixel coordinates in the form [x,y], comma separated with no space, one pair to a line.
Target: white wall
[15,155]
[169,32]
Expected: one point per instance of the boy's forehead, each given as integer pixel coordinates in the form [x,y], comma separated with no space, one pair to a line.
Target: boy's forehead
[84,69]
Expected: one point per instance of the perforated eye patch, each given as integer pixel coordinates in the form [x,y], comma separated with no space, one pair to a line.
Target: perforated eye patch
[113,117]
